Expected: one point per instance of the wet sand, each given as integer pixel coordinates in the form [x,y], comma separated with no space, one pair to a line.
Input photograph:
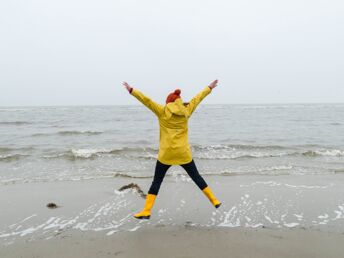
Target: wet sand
[184,242]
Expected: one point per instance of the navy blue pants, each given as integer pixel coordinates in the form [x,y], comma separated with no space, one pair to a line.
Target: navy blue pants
[160,172]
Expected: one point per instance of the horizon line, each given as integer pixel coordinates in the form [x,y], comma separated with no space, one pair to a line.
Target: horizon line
[207,104]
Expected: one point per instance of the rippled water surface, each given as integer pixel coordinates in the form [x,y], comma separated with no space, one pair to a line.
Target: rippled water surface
[73,143]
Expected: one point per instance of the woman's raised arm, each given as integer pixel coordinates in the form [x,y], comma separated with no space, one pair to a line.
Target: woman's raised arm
[200,96]
[152,105]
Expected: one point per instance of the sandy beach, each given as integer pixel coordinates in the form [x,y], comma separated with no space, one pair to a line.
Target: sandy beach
[260,217]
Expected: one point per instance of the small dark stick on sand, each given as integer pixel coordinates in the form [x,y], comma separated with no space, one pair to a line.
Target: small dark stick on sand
[52,205]
[135,187]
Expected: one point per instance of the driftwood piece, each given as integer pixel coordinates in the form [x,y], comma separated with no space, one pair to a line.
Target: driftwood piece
[134,187]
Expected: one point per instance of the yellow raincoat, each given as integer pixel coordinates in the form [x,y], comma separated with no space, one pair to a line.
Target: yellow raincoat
[173,118]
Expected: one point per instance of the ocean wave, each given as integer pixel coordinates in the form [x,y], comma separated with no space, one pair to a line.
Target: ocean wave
[79,132]
[273,183]
[68,133]
[179,174]
[10,109]
[94,153]
[256,151]
[234,156]
[19,149]
[40,134]
[87,153]
[14,123]
[72,177]
[77,154]
[203,153]
[239,151]
[324,152]
[11,157]
[132,175]
[274,168]
[270,170]
[24,180]
[238,146]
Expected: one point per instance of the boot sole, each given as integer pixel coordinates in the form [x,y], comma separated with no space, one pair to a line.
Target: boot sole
[142,217]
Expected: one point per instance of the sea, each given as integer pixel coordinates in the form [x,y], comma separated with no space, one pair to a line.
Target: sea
[67,143]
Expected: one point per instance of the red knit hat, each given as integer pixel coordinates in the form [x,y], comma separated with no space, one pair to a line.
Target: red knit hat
[173,96]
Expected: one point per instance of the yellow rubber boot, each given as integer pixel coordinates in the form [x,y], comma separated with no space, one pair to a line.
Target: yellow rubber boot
[146,212]
[207,191]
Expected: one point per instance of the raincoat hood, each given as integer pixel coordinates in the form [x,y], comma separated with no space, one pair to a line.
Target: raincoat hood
[176,108]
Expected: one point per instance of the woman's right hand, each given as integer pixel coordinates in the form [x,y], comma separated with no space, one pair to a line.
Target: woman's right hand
[213,84]
[127,86]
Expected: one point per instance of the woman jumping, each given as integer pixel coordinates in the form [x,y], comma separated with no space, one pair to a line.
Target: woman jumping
[174,146]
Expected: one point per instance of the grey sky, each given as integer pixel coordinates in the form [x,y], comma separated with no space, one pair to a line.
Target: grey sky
[72,52]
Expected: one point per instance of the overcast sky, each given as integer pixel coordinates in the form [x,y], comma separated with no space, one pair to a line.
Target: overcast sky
[77,52]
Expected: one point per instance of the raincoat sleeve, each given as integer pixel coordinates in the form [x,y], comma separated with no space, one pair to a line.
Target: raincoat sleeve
[152,105]
[197,99]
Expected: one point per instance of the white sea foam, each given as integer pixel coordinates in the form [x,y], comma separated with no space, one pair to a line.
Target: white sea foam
[324,152]
[87,153]
[274,183]
[291,225]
